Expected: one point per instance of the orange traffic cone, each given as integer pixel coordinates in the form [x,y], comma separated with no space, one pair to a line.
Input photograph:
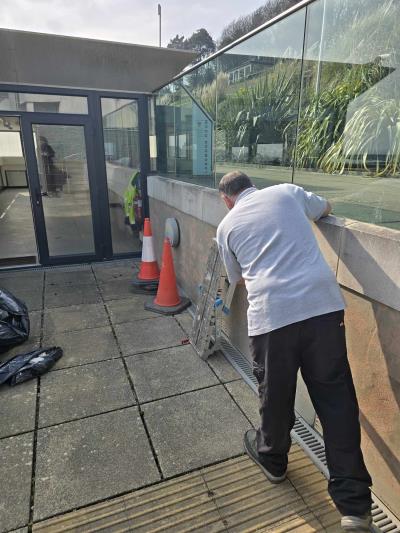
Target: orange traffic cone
[147,279]
[167,301]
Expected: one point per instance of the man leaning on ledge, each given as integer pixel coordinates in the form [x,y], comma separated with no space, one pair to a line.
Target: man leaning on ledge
[295,321]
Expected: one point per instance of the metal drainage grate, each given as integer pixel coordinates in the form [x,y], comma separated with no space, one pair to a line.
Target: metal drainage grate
[310,441]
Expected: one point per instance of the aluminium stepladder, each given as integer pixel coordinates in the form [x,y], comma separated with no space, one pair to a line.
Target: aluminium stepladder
[215,300]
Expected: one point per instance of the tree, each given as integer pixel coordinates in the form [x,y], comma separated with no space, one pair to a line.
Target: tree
[239,27]
[177,42]
[200,41]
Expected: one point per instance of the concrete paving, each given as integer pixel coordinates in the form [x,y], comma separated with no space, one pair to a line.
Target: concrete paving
[223,370]
[125,407]
[84,346]
[168,372]
[146,336]
[33,343]
[16,474]
[91,459]
[245,398]
[129,309]
[195,429]
[64,296]
[35,319]
[83,391]
[116,289]
[18,408]
[74,318]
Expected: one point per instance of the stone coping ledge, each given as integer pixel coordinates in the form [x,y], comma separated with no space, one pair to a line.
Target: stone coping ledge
[364,257]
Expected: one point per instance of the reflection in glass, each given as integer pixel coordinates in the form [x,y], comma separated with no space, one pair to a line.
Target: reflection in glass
[185,123]
[349,135]
[257,105]
[63,174]
[17,235]
[43,103]
[121,146]
[344,143]
[152,135]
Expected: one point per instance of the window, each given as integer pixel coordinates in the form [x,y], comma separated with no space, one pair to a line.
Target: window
[348,145]
[44,103]
[121,145]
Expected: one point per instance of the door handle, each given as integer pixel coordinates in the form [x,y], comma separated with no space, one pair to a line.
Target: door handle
[37,197]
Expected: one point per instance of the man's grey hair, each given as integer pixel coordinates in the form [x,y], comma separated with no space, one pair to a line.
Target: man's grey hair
[234,183]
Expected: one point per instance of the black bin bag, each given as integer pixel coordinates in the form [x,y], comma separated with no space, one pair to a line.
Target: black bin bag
[29,365]
[14,320]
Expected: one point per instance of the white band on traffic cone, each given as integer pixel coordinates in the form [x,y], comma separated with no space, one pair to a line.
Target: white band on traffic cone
[148,255]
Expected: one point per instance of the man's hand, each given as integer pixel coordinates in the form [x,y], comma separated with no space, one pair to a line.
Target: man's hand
[327,211]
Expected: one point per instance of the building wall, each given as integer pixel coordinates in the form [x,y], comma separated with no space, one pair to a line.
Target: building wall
[56,60]
[365,259]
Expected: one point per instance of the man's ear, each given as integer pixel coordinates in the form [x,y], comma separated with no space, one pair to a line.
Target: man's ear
[228,201]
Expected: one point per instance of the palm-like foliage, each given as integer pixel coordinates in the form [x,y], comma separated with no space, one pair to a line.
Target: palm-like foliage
[377,119]
[266,104]
[323,120]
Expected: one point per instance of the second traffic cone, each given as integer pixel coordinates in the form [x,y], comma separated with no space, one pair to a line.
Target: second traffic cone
[167,301]
[148,267]
[146,281]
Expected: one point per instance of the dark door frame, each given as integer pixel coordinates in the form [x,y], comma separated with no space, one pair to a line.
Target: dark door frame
[93,127]
[27,121]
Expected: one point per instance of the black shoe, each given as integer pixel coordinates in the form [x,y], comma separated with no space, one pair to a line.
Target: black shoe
[250,447]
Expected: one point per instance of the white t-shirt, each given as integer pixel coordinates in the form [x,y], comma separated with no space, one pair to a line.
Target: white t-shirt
[267,240]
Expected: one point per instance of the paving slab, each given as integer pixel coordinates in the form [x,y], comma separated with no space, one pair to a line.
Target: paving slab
[21,284]
[83,391]
[223,369]
[83,461]
[65,295]
[16,468]
[35,318]
[106,273]
[195,429]
[33,343]
[116,289]
[129,309]
[167,372]
[32,297]
[17,408]
[16,279]
[21,530]
[247,400]
[185,320]
[148,335]
[84,346]
[74,318]
[58,278]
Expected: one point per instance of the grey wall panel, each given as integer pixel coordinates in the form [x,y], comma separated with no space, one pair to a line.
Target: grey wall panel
[55,60]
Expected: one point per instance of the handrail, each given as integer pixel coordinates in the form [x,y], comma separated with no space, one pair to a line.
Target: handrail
[274,20]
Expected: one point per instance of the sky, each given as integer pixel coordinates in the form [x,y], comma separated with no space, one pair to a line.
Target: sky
[131,21]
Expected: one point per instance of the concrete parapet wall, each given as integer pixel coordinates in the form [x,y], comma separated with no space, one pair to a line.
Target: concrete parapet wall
[366,261]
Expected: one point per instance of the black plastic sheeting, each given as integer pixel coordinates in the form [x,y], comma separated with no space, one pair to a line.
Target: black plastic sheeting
[29,365]
[14,320]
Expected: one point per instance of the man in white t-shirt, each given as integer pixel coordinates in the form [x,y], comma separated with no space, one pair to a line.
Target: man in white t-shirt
[295,321]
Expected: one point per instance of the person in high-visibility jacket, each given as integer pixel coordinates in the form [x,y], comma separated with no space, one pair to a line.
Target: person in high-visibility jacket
[133,201]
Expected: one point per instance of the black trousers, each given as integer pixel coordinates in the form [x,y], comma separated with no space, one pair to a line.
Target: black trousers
[317,347]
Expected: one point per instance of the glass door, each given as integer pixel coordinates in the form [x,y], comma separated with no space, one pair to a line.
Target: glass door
[17,234]
[60,170]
